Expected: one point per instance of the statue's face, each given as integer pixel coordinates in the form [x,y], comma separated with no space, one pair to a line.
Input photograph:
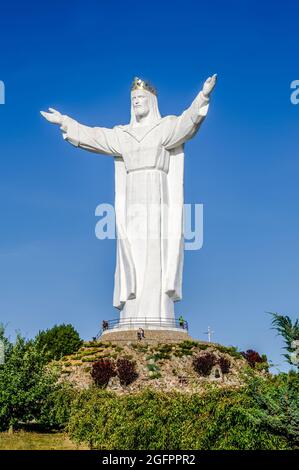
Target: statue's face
[140,103]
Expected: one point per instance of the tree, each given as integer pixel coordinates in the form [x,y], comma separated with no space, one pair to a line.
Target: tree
[56,407]
[59,341]
[290,333]
[25,382]
[277,403]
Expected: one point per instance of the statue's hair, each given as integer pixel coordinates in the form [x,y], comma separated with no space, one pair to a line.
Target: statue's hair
[153,105]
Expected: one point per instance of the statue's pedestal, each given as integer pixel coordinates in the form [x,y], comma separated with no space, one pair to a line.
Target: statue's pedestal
[150,336]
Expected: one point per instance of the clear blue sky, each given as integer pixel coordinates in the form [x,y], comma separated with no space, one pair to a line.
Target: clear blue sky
[80,57]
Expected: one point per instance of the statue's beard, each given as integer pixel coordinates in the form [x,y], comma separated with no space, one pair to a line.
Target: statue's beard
[141,113]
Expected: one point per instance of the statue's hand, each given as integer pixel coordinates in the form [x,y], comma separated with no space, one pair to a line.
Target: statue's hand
[209,85]
[54,116]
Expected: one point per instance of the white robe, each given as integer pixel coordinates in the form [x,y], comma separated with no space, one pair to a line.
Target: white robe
[149,169]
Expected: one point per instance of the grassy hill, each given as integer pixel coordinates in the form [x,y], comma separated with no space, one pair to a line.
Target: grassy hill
[167,367]
[150,395]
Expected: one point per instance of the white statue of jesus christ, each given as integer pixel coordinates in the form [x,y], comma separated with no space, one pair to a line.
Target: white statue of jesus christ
[149,165]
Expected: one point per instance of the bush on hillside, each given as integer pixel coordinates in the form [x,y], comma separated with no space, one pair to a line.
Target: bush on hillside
[252,357]
[102,371]
[224,364]
[216,420]
[204,362]
[126,371]
[59,341]
[56,407]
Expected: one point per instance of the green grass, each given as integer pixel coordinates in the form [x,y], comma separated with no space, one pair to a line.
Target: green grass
[231,350]
[24,440]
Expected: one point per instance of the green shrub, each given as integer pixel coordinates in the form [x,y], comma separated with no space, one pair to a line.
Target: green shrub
[188,344]
[89,353]
[277,404]
[127,356]
[55,412]
[220,419]
[151,357]
[155,375]
[202,347]
[164,348]
[59,341]
[89,359]
[158,356]
[178,353]
[91,344]
[162,355]
[231,350]
[153,367]
[187,352]
[140,347]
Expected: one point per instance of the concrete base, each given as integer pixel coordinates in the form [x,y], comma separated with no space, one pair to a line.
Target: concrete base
[151,336]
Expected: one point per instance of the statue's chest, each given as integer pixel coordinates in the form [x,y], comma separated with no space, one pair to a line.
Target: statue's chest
[141,152]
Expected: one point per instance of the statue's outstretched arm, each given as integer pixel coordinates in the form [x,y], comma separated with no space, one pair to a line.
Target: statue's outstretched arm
[94,139]
[179,129]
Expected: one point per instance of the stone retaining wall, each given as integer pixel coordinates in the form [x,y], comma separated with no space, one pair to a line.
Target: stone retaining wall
[151,336]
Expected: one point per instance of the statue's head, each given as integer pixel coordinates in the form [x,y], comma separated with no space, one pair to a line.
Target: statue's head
[143,101]
[140,103]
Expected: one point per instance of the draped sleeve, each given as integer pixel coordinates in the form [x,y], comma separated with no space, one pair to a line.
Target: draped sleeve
[179,129]
[95,139]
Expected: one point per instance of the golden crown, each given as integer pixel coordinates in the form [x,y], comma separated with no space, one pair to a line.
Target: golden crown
[139,84]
